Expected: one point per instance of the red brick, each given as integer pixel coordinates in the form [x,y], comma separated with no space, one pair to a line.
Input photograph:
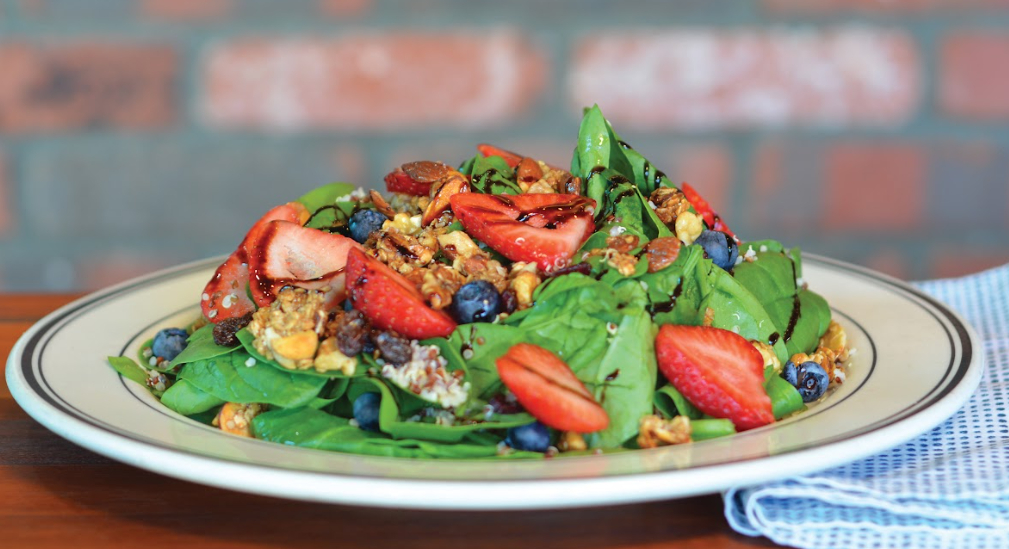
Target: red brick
[953,262]
[710,79]
[784,192]
[708,169]
[874,186]
[186,10]
[7,219]
[974,82]
[345,8]
[374,81]
[878,6]
[81,85]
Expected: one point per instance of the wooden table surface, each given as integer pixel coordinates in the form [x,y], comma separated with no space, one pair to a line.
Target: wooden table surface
[55,494]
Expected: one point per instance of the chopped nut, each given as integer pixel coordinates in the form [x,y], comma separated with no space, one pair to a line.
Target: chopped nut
[767,352]
[836,340]
[402,252]
[439,284]
[524,283]
[295,347]
[236,418]
[528,171]
[655,431]
[331,359]
[458,244]
[622,243]
[381,205]
[669,204]
[571,441]
[294,311]
[689,226]
[709,317]
[441,191]
[662,252]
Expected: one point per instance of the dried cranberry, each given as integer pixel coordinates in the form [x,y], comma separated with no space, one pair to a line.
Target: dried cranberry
[225,330]
[395,348]
[352,333]
[509,301]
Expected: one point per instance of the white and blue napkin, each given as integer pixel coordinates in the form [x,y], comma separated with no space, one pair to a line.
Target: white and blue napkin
[948,488]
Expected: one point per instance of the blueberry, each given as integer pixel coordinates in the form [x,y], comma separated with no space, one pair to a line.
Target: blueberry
[477,301]
[720,247]
[168,343]
[534,437]
[809,378]
[366,411]
[365,222]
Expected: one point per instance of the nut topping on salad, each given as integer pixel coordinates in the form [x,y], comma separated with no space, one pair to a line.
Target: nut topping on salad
[500,308]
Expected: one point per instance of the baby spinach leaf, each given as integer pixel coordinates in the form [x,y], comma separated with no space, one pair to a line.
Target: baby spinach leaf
[200,346]
[625,379]
[229,379]
[598,147]
[704,429]
[672,403]
[310,428]
[487,342]
[187,399]
[325,209]
[128,368]
[492,175]
[785,398]
[736,308]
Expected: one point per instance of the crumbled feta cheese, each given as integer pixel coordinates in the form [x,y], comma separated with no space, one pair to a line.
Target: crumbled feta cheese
[425,375]
[250,362]
[617,230]
[763,247]
[751,255]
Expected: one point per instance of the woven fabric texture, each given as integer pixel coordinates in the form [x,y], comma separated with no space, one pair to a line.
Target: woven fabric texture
[948,488]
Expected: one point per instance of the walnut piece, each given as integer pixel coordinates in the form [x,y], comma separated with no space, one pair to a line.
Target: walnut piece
[655,431]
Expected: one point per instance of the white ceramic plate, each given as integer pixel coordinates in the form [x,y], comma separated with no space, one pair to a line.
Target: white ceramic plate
[916,363]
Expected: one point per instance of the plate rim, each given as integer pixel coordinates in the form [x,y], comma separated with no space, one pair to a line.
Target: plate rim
[497,493]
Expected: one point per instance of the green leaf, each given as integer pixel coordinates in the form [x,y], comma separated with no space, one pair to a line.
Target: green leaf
[187,399]
[704,429]
[492,175]
[486,342]
[785,399]
[625,379]
[200,346]
[598,147]
[325,195]
[310,428]
[128,368]
[672,403]
[228,378]
[326,211]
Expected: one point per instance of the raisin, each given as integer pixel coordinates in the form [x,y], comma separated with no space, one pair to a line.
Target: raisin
[395,348]
[225,330]
[352,333]
[509,302]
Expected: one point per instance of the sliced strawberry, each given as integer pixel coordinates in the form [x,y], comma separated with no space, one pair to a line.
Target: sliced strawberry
[543,228]
[224,295]
[391,302]
[547,388]
[287,254]
[718,371]
[509,157]
[398,181]
[709,216]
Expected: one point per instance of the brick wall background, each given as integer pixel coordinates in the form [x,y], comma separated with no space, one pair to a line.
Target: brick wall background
[136,135]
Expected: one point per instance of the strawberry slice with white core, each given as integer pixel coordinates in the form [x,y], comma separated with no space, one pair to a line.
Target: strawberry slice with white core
[391,302]
[547,388]
[718,371]
[224,296]
[287,254]
[543,228]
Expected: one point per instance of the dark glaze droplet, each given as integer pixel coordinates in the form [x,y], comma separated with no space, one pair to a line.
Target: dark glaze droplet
[793,319]
[773,339]
[667,306]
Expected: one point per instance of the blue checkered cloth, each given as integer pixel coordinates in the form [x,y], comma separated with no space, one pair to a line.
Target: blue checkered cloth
[946,488]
